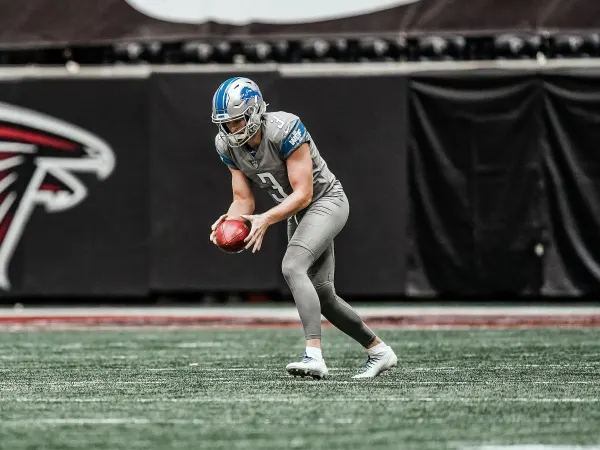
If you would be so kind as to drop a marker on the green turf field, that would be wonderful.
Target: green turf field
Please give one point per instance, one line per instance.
(135, 389)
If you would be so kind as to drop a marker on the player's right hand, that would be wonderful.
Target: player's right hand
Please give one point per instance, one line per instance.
(214, 226)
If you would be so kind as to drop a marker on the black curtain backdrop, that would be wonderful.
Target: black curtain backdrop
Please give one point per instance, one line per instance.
(475, 184)
(467, 183)
(572, 120)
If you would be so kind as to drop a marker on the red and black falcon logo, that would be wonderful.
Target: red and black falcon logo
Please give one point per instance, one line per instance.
(39, 156)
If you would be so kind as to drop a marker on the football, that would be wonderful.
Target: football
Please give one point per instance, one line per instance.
(230, 235)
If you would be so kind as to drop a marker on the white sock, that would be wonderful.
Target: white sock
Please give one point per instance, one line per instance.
(377, 349)
(314, 353)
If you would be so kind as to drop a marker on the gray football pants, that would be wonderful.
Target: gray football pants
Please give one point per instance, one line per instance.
(308, 268)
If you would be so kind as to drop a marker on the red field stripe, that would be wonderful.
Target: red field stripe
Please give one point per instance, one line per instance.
(417, 320)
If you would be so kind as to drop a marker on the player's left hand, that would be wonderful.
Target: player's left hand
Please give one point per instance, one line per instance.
(260, 223)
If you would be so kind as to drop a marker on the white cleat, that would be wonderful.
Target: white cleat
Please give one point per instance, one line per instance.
(308, 367)
(377, 364)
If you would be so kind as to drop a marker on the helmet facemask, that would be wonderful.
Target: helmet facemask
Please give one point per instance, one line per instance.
(252, 115)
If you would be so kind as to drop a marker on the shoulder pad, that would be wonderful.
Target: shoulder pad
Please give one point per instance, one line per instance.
(287, 131)
(224, 151)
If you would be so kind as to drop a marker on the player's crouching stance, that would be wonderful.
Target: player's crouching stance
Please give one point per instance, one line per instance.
(275, 151)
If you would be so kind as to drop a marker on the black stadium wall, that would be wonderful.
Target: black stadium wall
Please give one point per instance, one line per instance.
(478, 182)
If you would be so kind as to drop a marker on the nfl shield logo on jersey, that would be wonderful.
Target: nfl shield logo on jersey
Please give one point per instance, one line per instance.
(255, 164)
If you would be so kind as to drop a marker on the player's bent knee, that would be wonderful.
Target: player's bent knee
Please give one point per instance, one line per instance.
(288, 269)
(296, 262)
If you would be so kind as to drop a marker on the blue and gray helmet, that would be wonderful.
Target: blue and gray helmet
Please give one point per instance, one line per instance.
(235, 99)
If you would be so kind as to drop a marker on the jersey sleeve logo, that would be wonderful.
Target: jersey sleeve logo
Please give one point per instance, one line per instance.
(295, 137)
(293, 140)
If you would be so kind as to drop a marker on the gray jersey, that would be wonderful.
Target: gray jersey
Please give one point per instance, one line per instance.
(282, 134)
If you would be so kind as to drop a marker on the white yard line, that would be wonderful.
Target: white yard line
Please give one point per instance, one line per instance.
(14, 386)
(340, 420)
(102, 421)
(288, 399)
(286, 312)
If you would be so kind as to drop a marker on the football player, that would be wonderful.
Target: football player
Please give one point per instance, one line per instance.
(275, 151)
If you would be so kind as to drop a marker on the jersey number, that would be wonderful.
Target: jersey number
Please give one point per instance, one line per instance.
(267, 177)
(280, 124)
